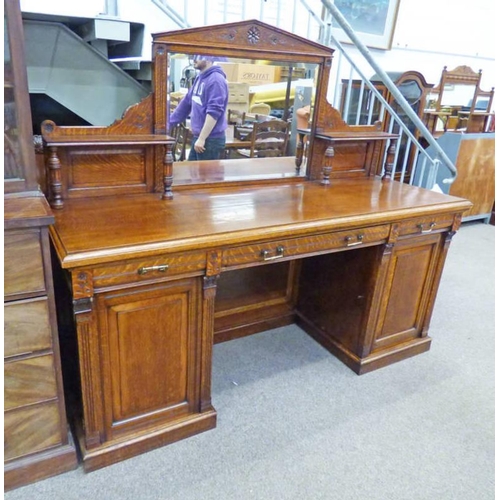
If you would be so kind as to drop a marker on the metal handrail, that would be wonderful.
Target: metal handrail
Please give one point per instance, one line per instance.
(172, 13)
(376, 94)
(337, 15)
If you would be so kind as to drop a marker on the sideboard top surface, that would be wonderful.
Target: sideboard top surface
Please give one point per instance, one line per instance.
(89, 231)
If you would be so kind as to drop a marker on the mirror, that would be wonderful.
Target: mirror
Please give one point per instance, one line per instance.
(259, 91)
(271, 75)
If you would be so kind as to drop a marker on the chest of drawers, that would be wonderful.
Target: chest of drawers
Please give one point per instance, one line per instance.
(37, 443)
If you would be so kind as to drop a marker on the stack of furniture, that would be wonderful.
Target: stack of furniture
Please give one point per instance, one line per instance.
(37, 442)
(153, 272)
(462, 130)
(458, 103)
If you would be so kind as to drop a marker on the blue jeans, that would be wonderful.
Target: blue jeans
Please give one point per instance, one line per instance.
(213, 149)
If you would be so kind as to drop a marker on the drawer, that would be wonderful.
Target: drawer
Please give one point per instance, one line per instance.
(28, 381)
(425, 225)
(23, 263)
(151, 268)
(26, 327)
(32, 429)
(303, 246)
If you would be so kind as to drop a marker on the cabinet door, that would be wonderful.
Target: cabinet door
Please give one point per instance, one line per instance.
(412, 274)
(150, 346)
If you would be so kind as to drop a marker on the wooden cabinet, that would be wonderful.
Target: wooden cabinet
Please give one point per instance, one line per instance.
(362, 282)
(412, 270)
(37, 443)
(368, 331)
(144, 368)
(147, 280)
(359, 106)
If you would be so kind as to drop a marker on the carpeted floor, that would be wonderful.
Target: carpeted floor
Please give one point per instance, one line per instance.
(294, 423)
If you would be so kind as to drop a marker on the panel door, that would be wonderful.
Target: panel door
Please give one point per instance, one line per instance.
(150, 350)
(409, 288)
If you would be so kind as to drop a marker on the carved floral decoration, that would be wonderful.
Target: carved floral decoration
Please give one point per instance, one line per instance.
(253, 35)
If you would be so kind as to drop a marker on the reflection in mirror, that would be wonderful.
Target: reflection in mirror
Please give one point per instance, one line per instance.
(259, 91)
(457, 95)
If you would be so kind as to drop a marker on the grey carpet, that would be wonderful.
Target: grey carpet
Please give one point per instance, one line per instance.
(295, 423)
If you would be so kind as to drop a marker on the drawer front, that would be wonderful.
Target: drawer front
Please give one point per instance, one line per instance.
(32, 429)
(28, 381)
(26, 327)
(308, 245)
(23, 263)
(152, 268)
(426, 225)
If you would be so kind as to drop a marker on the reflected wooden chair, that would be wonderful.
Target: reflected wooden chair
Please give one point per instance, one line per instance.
(237, 119)
(182, 136)
(268, 139)
(453, 85)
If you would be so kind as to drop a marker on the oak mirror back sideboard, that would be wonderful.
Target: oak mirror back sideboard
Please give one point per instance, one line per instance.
(150, 273)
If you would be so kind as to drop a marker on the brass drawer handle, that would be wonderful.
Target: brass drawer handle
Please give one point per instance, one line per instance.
(162, 268)
(359, 240)
(431, 227)
(280, 252)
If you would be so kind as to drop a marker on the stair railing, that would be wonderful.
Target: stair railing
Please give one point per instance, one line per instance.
(442, 158)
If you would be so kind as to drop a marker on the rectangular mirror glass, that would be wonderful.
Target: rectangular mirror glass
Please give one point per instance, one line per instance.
(260, 90)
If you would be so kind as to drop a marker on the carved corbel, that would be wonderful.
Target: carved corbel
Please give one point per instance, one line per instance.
(214, 266)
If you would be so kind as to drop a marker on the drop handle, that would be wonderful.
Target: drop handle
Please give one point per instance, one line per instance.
(280, 253)
(161, 268)
(351, 242)
(431, 227)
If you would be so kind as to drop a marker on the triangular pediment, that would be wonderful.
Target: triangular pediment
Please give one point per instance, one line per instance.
(244, 36)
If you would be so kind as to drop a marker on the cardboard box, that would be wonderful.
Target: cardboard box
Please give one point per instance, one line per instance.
(253, 74)
(238, 93)
(239, 96)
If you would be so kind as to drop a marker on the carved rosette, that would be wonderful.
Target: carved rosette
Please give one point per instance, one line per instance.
(253, 35)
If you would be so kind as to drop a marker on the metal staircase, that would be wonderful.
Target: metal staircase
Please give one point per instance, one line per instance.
(72, 73)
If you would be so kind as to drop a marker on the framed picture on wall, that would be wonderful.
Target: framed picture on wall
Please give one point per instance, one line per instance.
(372, 20)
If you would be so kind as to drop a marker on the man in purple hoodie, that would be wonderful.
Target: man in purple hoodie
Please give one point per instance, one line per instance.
(206, 101)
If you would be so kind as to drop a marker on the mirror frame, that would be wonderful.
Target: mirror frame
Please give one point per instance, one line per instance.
(249, 39)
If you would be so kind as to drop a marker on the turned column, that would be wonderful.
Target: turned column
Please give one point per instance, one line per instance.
(299, 153)
(328, 165)
(389, 161)
(55, 184)
(168, 173)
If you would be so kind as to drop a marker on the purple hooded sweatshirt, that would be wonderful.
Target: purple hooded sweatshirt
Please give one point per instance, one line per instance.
(209, 94)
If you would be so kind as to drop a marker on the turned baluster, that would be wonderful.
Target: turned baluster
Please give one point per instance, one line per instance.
(168, 175)
(389, 161)
(328, 165)
(299, 153)
(54, 167)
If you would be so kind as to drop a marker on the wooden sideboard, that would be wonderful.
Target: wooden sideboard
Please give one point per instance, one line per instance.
(149, 274)
(153, 283)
